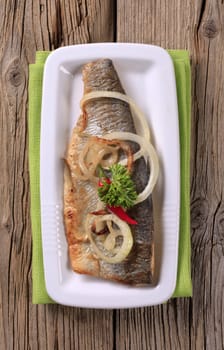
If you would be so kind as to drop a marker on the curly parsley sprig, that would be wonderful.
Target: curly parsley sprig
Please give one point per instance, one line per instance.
(120, 191)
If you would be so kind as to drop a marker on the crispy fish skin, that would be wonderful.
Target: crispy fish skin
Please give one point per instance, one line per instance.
(101, 116)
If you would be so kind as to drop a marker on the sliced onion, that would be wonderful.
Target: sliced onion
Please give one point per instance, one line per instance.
(111, 255)
(128, 136)
(110, 241)
(140, 122)
(154, 172)
(147, 150)
(76, 171)
(110, 160)
(105, 147)
(122, 145)
(89, 170)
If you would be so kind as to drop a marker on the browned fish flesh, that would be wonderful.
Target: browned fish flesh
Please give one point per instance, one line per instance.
(101, 116)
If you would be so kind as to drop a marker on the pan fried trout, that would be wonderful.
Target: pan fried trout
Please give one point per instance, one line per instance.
(99, 117)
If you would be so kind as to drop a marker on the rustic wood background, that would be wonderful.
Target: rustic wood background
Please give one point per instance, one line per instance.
(30, 25)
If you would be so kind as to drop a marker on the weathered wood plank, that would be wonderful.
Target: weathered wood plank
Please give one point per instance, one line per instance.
(199, 27)
(28, 26)
(166, 24)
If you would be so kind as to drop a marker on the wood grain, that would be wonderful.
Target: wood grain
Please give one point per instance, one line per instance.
(199, 27)
(28, 26)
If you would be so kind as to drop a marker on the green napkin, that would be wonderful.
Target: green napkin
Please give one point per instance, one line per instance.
(183, 81)
(182, 71)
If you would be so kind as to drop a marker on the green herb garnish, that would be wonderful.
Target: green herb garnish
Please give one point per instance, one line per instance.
(120, 192)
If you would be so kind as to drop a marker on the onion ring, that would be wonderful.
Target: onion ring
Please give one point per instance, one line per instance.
(88, 171)
(111, 255)
(149, 152)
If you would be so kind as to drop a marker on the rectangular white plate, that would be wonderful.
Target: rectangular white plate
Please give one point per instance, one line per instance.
(147, 75)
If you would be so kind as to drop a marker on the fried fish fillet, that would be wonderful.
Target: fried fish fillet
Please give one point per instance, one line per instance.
(101, 116)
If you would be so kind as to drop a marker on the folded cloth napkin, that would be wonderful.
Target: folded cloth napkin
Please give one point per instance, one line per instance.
(183, 82)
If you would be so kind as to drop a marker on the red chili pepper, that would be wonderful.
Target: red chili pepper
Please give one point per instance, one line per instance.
(100, 182)
(119, 211)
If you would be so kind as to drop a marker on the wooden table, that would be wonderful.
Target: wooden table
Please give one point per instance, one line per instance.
(27, 26)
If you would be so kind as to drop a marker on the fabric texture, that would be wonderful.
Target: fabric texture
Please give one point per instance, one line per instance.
(183, 82)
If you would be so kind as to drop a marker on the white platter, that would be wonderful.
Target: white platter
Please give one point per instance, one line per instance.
(147, 75)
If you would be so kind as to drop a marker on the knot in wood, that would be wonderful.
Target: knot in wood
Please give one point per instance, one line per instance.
(7, 225)
(219, 222)
(15, 74)
(210, 29)
(199, 213)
